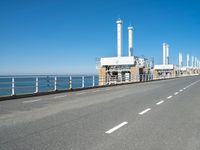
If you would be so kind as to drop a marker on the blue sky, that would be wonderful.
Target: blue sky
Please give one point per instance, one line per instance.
(67, 36)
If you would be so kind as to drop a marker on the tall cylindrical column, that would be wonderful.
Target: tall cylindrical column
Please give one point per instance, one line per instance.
(130, 41)
(167, 54)
(164, 54)
(180, 60)
(192, 61)
(188, 60)
(119, 37)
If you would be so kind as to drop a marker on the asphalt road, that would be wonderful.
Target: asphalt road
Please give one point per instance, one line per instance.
(161, 115)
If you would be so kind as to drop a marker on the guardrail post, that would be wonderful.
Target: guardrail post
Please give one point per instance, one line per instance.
(70, 82)
(93, 81)
(83, 81)
(36, 85)
(13, 86)
(55, 83)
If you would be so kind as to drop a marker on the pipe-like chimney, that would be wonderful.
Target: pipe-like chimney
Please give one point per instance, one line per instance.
(192, 61)
(119, 37)
(167, 54)
(180, 62)
(164, 54)
(130, 41)
(188, 60)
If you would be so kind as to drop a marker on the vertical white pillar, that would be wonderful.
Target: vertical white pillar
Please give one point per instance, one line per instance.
(119, 37)
(36, 85)
(167, 54)
(70, 82)
(93, 81)
(55, 83)
(83, 81)
(188, 60)
(130, 41)
(195, 62)
(180, 60)
(164, 54)
(192, 61)
(13, 86)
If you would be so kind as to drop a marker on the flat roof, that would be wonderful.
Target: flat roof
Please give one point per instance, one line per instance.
(164, 67)
(114, 61)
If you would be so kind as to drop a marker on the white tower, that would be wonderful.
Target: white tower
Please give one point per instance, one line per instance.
(164, 54)
(195, 62)
(192, 61)
(180, 58)
(167, 54)
(119, 37)
(130, 41)
(188, 60)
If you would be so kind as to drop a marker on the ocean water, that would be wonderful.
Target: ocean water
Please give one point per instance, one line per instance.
(27, 84)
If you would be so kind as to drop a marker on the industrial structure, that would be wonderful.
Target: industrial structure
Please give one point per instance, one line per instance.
(170, 70)
(133, 69)
(189, 68)
(123, 68)
(166, 69)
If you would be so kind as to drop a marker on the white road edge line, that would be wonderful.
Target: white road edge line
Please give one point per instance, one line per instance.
(144, 111)
(81, 93)
(61, 96)
(169, 97)
(158, 103)
(116, 127)
(31, 101)
(176, 93)
(95, 91)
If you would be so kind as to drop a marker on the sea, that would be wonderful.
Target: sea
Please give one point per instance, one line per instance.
(27, 84)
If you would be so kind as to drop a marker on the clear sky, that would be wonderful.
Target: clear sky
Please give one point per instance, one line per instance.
(67, 36)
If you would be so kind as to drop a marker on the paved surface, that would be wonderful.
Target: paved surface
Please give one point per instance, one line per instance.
(161, 115)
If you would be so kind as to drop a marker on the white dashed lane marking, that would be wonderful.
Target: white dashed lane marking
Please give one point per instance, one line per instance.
(144, 111)
(116, 127)
(176, 93)
(169, 97)
(158, 103)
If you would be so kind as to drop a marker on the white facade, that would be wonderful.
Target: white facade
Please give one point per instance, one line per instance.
(164, 67)
(114, 61)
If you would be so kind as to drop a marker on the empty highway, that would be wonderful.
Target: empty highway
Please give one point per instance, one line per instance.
(160, 115)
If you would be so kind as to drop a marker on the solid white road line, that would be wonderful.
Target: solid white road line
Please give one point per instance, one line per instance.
(116, 128)
(158, 103)
(144, 111)
(176, 93)
(95, 91)
(31, 101)
(80, 93)
(60, 96)
(169, 97)
(108, 89)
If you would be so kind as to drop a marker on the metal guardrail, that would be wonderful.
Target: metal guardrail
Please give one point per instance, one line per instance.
(10, 86)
